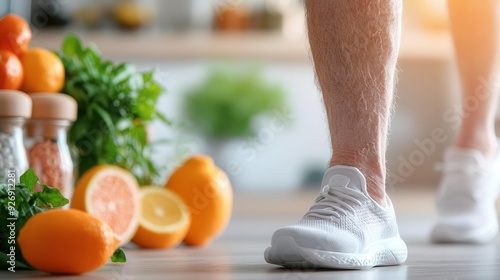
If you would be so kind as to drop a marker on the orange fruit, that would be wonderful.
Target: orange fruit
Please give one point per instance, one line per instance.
(164, 219)
(11, 70)
(111, 194)
(67, 241)
(43, 71)
(15, 34)
(207, 192)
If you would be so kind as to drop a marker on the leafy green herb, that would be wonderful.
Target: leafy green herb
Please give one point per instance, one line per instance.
(115, 104)
(29, 179)
(50, 197)
(119, 256)
(18, 203)
(227, 104)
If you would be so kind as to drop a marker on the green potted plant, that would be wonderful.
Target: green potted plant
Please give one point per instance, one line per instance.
(227, 104)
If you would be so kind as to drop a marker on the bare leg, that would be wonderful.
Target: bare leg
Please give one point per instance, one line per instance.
(354, 44)
(351, 224)
(475, 28)
(466, 200)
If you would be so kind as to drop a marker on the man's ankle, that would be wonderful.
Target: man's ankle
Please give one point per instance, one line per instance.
(374, 175)
(486, 145)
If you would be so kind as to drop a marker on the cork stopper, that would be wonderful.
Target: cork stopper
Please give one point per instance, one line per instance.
(53, 106)
(14, 104)
(51, 112)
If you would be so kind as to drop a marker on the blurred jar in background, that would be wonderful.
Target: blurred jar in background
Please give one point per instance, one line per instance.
(48, 151)
(132, 14)
(49, 13)
(232, 17)
(269, 17)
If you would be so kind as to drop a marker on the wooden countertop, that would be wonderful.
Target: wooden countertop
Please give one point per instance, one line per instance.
(153, 45)
(239, 253)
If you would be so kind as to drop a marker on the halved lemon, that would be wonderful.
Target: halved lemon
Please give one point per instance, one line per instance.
(164, 219)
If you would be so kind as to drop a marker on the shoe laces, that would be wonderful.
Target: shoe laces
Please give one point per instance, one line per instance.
(334, 201)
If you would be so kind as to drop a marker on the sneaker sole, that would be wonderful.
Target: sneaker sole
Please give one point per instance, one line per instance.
(480, 236)
(386, 252)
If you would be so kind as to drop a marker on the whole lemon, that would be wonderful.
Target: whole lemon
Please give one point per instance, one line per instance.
(207, 192)
(67, 241)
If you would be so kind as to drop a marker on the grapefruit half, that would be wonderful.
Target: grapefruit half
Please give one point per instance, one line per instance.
(111, 194)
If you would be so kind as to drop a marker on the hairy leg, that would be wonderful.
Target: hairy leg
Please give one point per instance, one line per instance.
(475, 27)
(354, 45)
(466, 200)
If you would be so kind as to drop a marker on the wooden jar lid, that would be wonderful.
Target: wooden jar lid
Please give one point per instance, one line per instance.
(50, 107)
(14, 103)
(53, 106)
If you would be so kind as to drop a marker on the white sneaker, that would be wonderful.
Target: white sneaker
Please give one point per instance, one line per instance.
(466, 198)
(344, 229)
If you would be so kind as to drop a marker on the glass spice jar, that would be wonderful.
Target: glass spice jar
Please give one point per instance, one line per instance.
(15, 108)
(48, 150)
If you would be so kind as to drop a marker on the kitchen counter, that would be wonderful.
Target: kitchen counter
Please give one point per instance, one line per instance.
(238, 254)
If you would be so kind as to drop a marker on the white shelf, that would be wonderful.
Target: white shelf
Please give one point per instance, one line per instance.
(258, 46)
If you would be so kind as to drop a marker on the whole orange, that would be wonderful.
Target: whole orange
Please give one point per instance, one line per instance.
(11, 70)
(207, 192)
(15, 34)
(43, 71)
(66, 241)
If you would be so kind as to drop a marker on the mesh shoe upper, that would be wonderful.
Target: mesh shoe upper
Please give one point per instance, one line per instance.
(467, 192)
(343, 218)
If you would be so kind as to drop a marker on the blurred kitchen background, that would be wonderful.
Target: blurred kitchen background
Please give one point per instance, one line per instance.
(241, 86)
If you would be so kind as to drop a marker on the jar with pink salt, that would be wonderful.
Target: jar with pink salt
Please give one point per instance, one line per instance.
(48, 150)
(15, 108)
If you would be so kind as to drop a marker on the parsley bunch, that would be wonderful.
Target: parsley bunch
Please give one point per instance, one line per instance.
(115, 104)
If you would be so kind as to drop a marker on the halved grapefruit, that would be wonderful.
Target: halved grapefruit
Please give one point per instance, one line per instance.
(111, 194)
(164, 219)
